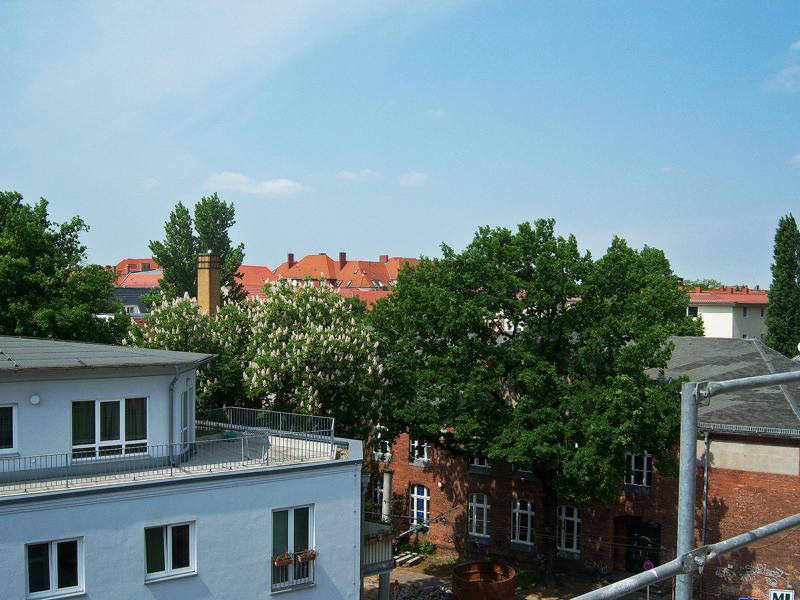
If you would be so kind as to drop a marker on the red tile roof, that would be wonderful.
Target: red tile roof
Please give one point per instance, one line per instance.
(728, 295)
(368, 296)
(140, 279)
(254, 277)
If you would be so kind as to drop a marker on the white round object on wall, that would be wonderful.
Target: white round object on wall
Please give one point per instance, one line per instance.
(35, 399)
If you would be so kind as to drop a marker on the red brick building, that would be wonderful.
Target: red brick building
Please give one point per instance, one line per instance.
(753, 478)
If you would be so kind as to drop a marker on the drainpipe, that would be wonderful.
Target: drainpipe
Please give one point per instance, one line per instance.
(705, 487)
(172, 414)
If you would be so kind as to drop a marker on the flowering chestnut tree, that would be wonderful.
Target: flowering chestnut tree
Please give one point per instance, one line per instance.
(311, 351)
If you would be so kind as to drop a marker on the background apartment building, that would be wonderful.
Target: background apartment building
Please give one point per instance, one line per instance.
(730, 312)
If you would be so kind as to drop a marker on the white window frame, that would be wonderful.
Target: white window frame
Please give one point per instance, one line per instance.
(745, 312)
(479, 528)
(169, 572)
(121, 441)
(14, 430)
(186, 407)
(383, 451)
(54, 591)
(414, 447)
(518, 511)
(574, 523)
(643, 475)
(415, 495)
(291, 581)
(480, 462)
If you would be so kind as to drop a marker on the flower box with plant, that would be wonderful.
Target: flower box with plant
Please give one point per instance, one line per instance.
(306, 556)
(282, 560)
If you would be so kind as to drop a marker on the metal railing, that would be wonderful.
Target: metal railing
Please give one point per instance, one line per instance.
(295, 574)
(377, 548)
(243, 439)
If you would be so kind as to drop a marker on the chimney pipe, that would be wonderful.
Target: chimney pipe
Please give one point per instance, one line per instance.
(290, 260)
(384, 258)
(342, 259)
(208, 282)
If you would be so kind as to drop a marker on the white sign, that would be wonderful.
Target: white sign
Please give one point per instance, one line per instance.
(781, 595)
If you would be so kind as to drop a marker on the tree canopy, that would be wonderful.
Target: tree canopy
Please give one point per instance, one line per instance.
(706, 284)
(524, 350)
(783, 311)
(46, 290)
(185, 238)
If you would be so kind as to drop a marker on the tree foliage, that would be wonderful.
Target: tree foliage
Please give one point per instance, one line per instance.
(705, 284)
(300, 349)
(185, 238)
(46, 290)
(783, 311)
(524, 350)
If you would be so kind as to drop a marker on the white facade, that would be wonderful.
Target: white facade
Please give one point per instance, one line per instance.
(732, 320)
(219, 505)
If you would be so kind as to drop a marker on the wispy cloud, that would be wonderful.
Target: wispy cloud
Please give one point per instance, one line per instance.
(362, 175)
(786, 80)
(795, 46)
(667, 169)
(412, 179)
(242, 184)
(437, 113)
(795, 161)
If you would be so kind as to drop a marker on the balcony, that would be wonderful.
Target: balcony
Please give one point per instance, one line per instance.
(231, 439)
(377, 554)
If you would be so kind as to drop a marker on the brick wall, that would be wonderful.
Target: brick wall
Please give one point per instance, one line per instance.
(738, 501)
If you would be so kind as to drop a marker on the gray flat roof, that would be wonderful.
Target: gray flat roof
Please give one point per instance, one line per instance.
(771, 410)
(21, 354)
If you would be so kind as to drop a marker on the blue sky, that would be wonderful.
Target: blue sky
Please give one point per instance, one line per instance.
(388, 127)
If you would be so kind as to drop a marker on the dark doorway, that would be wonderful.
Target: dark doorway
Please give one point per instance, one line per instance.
(643, 542)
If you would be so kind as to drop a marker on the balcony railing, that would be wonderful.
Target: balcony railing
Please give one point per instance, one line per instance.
(377, 548)
(294, 574)
(237, 439)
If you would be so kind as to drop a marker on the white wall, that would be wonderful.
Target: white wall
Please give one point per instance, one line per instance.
(233, 533)
(46, 428)
(717, 319)
(753, 326)
(749, 456)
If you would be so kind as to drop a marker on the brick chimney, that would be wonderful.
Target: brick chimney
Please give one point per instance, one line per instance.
(290, 260)
(208, 283)
(384, 258)
(342, 259)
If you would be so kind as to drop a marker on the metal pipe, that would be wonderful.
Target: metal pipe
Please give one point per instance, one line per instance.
(637, 582)
(713, 388)
(687, 489)
(705, 487)
(172, 411)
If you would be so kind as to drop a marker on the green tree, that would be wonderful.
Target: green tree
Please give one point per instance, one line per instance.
(46, 290)
(524, 350)
(185, 238)
(706, 284)
(783, 312)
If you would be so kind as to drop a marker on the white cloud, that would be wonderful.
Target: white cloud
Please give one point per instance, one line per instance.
(795, 161)
(237, 182)
(795, 46)
(363, 175)
(437, 113)
(412, 179)
(786, 80)
(667, 169)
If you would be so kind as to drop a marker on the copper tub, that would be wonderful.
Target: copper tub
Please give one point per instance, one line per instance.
(484, 581)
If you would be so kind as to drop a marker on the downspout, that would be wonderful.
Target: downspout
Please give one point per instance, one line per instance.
(172, 414)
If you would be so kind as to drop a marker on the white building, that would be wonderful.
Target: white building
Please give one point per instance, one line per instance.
(109, 489)
(730, 312)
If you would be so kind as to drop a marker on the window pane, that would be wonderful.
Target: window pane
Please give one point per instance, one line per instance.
(67, 564)
(82, 423)
(109, 421)
(301, 529)
(154, 549)
(38, 568)
(6, 427)
(180, 547)
(280, 532)
(136, 419)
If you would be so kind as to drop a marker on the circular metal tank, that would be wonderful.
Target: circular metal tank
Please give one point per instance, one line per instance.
(484, 581)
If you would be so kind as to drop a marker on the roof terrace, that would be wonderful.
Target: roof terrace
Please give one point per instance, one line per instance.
(229, 439)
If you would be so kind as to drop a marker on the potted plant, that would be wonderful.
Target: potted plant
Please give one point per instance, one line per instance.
(282, 560)
(307, 556)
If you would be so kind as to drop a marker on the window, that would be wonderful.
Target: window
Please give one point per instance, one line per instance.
(377, 490)
(383, 451)
(98, 427)
(522, 521)
(8, 428)
(480, 462)
(522, 467)
(569, 529)
(691, 311)
(420, 505)
(55, 568)
(145, 266)
(187, 399)
(639, 469)
(762, 312)
(479, 515)
(169, 551)
(292, 535)
(417, 451)
(744, 312)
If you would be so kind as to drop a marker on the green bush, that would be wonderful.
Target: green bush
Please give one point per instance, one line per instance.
(426, 547)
